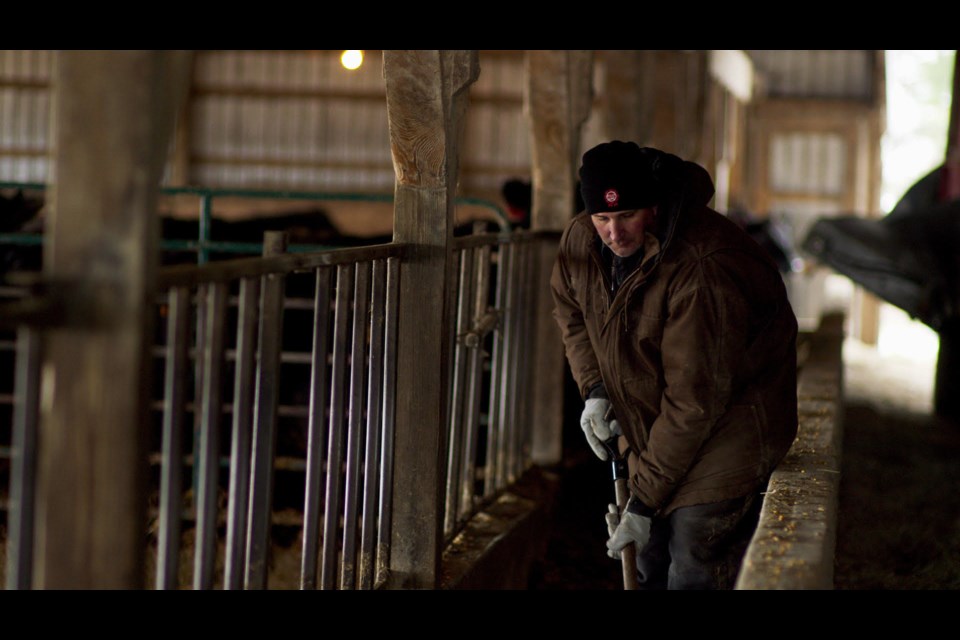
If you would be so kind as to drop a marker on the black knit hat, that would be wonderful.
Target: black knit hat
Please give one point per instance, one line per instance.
(619, 176)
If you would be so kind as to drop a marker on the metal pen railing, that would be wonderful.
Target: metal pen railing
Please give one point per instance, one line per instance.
(488, 438)
(234, 339)
(204, 245)
(346, 465)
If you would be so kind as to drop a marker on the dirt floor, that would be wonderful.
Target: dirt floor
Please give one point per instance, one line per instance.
(899, 523)
(576, 554)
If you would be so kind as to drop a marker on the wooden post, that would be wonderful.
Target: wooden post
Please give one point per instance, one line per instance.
(426, 103)
(865, 306)
(945, 402)
(560, 98)
(180, 154)
(114, 114)
(629, 95)
(949, 188)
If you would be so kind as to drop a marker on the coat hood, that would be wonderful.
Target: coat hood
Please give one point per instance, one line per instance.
(688, 186)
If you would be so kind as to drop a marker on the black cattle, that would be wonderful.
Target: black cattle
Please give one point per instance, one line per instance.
(772, 237)
(302, 228)
(908, 258)
(18, 211)
(19, 214)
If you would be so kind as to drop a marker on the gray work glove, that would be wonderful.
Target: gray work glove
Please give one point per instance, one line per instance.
(631, 528)
(596, 427)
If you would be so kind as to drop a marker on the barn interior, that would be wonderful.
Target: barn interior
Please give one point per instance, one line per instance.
(278, 319)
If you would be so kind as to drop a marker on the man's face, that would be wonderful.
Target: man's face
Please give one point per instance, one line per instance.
(623, 231)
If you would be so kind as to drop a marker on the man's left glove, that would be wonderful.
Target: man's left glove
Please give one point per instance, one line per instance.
(631, 527)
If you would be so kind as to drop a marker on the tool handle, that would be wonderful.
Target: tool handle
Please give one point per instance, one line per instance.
(628, 555)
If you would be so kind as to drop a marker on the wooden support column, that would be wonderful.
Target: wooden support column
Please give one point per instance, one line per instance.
(426, 103)
(945, 401)
(113, 116)
(865, 318)
(560, 98)
(180, 154)
(630, 91)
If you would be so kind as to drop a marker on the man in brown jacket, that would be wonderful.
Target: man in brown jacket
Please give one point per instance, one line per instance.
(679, 334)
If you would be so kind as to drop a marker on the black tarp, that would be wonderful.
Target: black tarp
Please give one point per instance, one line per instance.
(908, 258)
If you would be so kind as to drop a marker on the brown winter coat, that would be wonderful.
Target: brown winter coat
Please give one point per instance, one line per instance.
(697, 350)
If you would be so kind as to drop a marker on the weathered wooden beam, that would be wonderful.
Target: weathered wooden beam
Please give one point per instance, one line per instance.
(560, 98)
(629, 95)
(811, 113)
(733, 69)
(426, 103)
(870, 310)
(950, 180)
(114, 114)
(180, 154)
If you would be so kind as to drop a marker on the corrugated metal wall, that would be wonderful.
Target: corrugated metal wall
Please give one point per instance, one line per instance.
(816, 73)
(287, 120)
(298, 119)
(24, 114)
(497, 136)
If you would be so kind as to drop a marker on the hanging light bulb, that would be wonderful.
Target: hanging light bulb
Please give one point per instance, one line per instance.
(351, 59)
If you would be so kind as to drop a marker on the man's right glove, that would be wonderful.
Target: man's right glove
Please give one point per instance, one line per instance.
(597, 427)
(622, 531)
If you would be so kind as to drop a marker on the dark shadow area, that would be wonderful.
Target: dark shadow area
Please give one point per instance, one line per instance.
(576, 555)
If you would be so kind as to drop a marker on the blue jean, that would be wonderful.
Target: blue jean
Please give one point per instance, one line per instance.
(699, 547)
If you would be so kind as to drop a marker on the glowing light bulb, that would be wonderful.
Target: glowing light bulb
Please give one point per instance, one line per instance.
(351, 59)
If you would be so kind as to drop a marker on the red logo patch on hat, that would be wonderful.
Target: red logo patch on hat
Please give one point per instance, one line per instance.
(612, 197)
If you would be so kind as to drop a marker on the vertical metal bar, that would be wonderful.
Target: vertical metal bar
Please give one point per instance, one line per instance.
(23, 461)
(521, 384)
(520, 423)
(510, 424)
(371, 458)
(198, 377)
(171, 466)
(361, 299)
(506, 376)
(260, 516)
(385, 520)
(533, 280)
(203, 230)
(242, 433)
(209, 461)
(454, 441)
(510, 343)
(497, 373)
(316, 428)
(532, 277)
(331, 512)
(474, 388)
